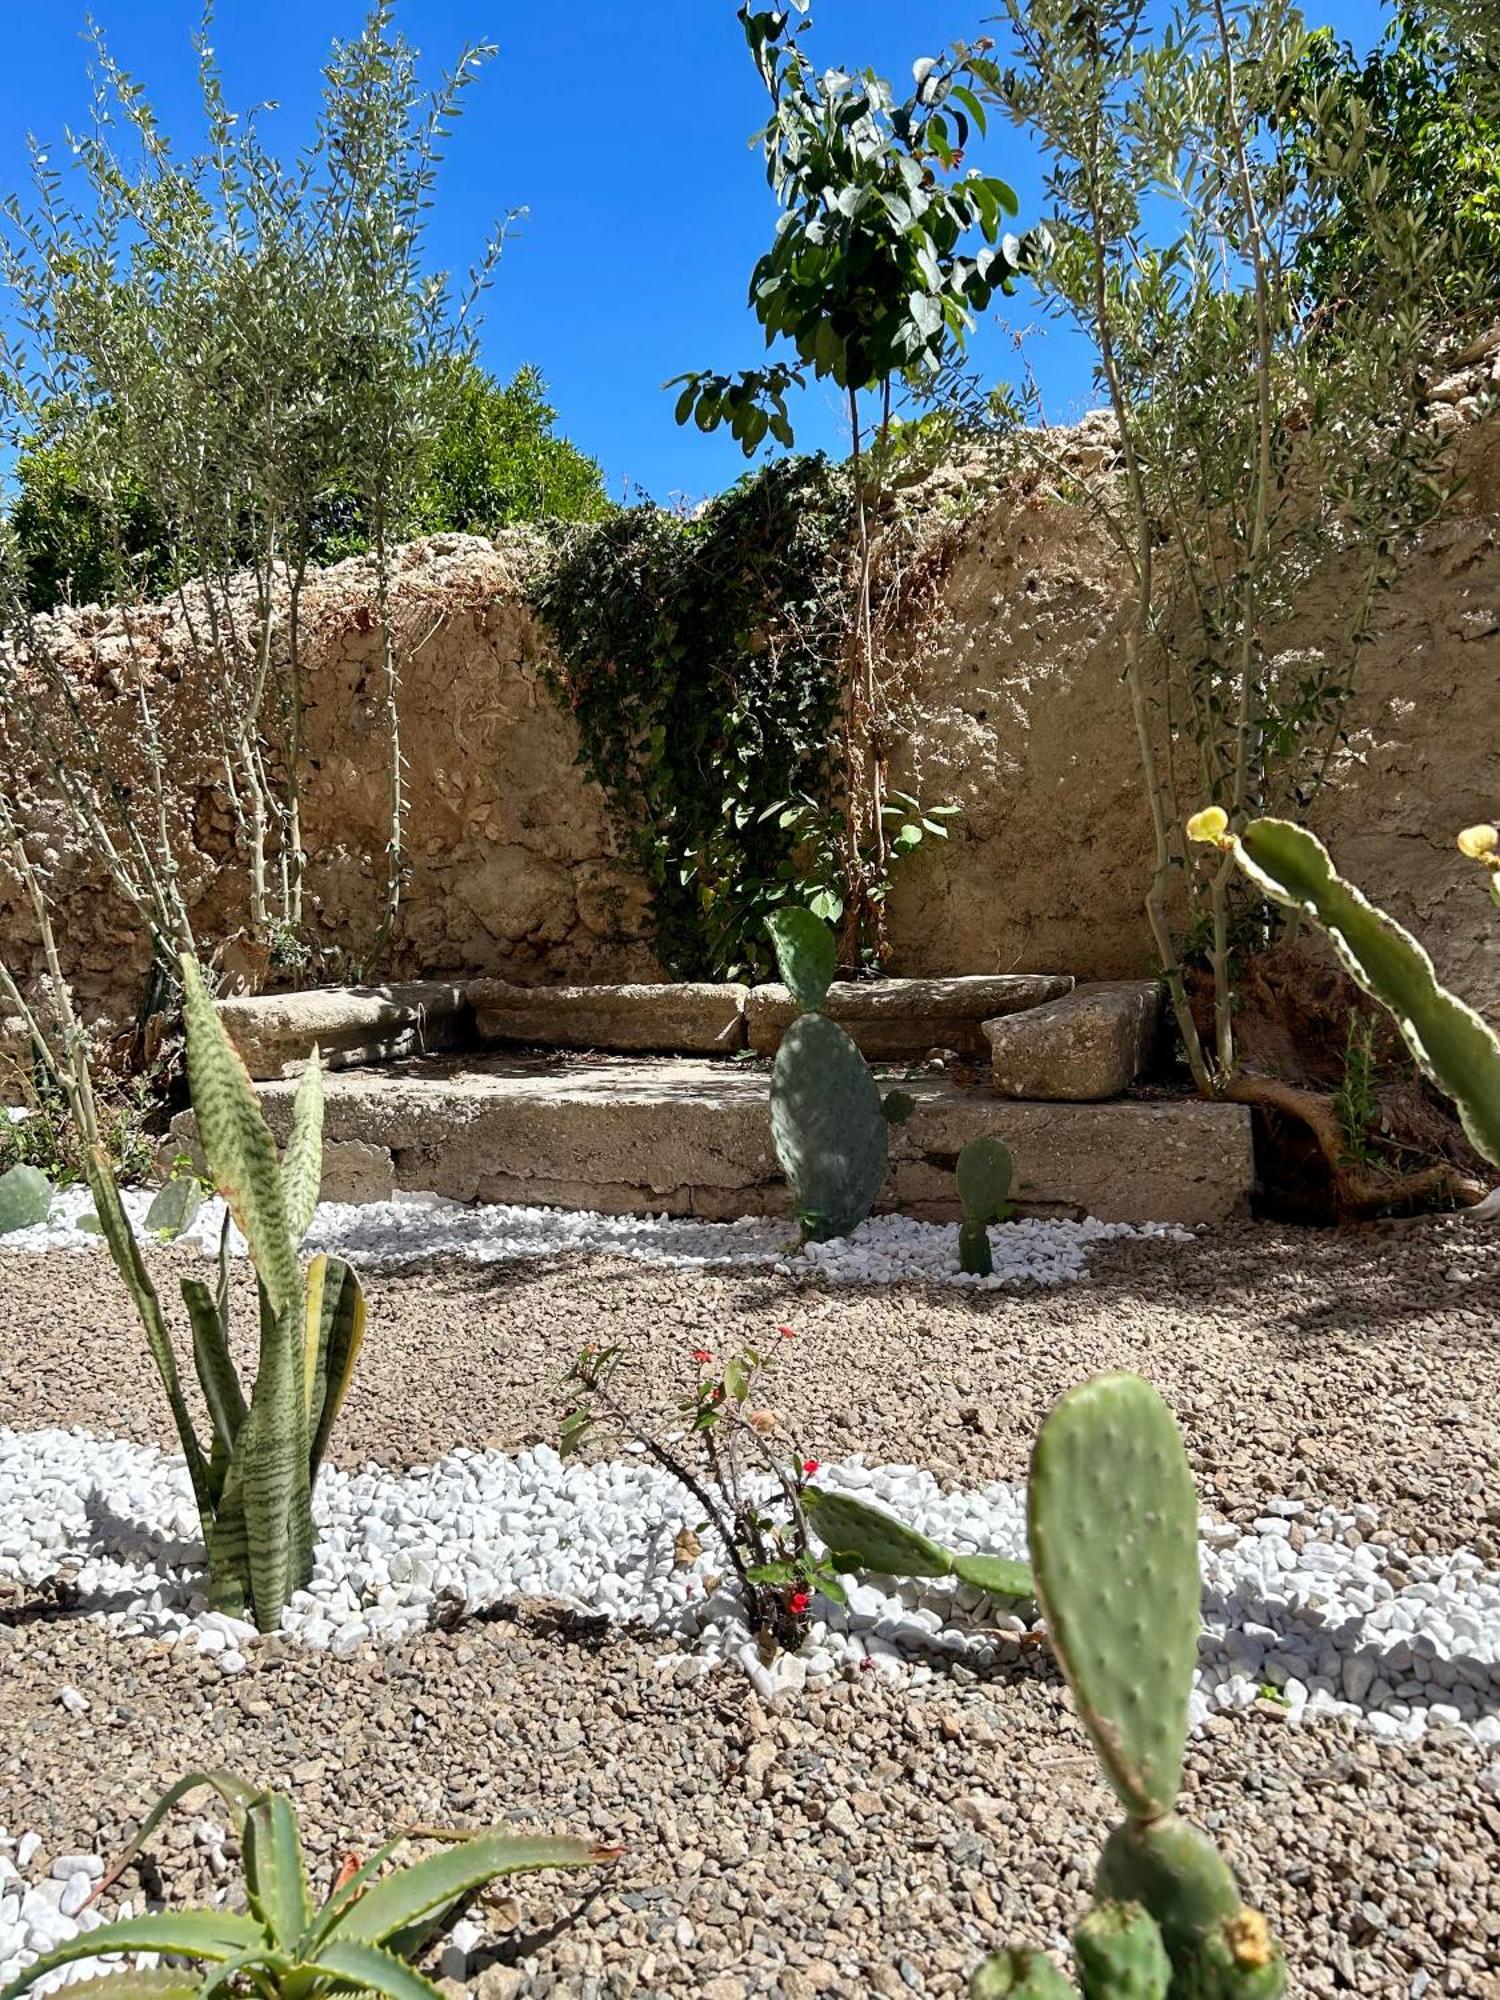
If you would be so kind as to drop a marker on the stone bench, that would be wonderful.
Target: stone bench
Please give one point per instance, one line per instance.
(352, 1025)
(892, 1020)
(670, 1019)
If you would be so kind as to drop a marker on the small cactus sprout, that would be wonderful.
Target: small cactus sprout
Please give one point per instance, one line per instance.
(1453, 1044)
(25, 1198)
(1120, 1954)
(1020, 1975)
(983, 1173)
(898, 1105)
(806, 954)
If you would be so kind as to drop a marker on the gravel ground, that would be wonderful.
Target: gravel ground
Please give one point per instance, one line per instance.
(872, 1836)
(871, 1833)
(1361, 1367)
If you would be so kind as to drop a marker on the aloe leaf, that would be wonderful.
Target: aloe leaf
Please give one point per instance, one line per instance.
(212, 1934)
(275, 1874)
(136, 1985)
(237, 1142)
(302, 1162)
(357, 1963)
(126, 1254)
(406, 1896)
(25, 1198)
(237, 1794)
(349, 1892)
(335, 1334)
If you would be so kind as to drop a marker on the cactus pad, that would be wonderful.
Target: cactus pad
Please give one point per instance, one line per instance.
(869, 1538)
(998, 1575)
(827, 1126)
(1113, 1520)
(806, 954)
(1238, 1961)
(984, 1172)
(1020, 1975)
(1177, 1874)
(1120, 1954)
(974, 1254)
(25, 1197)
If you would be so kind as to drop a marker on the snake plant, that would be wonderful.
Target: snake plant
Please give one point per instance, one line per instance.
(362, 1938)
(253, 1483)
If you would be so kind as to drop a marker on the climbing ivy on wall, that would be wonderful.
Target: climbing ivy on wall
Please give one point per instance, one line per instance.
(700, 658)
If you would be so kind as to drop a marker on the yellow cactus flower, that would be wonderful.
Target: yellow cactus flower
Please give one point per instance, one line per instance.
(1479, 843)
(1210, 826)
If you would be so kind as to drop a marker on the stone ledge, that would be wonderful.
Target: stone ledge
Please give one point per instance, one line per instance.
(1092, 1044)
(896, 1019)
(275, 1032)
(693, 1138)
(682, 1018)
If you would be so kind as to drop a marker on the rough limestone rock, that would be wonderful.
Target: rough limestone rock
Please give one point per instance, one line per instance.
(681, 1019)
(891, 1019)
(693, 1137)
(1091, 1044)
(354, 1170)
(275, 1032)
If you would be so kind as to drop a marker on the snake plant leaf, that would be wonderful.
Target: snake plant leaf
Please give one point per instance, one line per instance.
(215, 1935)
(173, 1209)
(408, 1895)
(25, 1197)
(237, 1142)
(217, 1375)
(271, 1471)
(125, 1252)
(806, 954)
(368, 1968)
(334, 1335)
(302, 1162)
(237, 1795)
(276, 1884)
(1453, 1044)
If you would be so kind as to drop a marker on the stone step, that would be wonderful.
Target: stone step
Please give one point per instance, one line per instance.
(676, 1018)
(352, 1025)
(1093, 1043)
(893, 1020)
(692, 1137)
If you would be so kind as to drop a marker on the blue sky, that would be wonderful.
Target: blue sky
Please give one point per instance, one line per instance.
(624, 129)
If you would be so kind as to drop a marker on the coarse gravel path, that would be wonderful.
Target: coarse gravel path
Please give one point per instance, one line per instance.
(871, 1833)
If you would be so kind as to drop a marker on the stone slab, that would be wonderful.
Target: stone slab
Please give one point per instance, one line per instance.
(693, 1138)
(352, 1025)
(896, 1019)
(683, 1018)
(1092, 1044)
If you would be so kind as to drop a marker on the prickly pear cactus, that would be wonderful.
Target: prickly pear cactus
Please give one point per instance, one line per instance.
(1113, 1520)
(999, 1575)
(827, 1126)
(1240, 1960)
(872, 1539)
(1020, 1975)
(1453, 1044)
(1120, 1954)
(25, 1197)
(983, 1174)
(1176, 1873)
(806, 953)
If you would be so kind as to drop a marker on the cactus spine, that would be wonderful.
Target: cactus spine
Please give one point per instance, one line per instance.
(983, 1174)
(828, 1124)
(1113, 1525)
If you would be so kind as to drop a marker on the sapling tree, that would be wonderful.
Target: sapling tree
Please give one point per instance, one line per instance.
(1264, 447)
(886, 250)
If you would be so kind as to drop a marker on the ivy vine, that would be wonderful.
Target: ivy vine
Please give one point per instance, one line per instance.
(701, 659)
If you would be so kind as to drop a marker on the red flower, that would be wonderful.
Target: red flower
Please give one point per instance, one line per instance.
(798, 1602)
(702, 1356)
(810, 1466)
(786, 1333)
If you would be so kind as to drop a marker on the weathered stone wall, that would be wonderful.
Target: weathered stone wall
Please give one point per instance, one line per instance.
(514, 870)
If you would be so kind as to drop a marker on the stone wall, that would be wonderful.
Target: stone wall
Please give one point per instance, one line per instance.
(515, 871)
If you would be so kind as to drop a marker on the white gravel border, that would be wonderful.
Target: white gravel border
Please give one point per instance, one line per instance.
(1299, 1605)
(888, 1249)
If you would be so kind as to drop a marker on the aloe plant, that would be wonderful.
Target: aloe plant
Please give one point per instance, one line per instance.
(253, 1484)
(1452, 1043)
(362, 1938)
(1112, 1518)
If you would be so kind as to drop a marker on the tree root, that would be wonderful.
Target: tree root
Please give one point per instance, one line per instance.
(1359, 1191)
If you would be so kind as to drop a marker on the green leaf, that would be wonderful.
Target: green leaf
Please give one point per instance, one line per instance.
(302, 1163)
(334, 1335)
(214, 1935)
(369, 1969)
(238, 1795)
(217, 1376)
(276, 1882)
(407, 1895)
(136, 1985)
(737, 1378)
